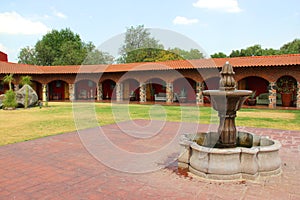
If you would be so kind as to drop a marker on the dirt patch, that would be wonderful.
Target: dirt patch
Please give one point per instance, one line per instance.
(271, 115)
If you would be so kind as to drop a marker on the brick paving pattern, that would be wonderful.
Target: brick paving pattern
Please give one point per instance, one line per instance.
(59, 167)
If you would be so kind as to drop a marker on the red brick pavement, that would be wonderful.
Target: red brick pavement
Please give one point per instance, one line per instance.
(60, 167)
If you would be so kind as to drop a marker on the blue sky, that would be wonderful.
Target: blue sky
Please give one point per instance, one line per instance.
(215, 25)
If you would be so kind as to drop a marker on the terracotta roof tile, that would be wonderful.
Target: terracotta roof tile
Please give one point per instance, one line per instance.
(15, 68)
(254, 61)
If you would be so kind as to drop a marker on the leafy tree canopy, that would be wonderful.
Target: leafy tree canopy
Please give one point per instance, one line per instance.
(188, 55)
(139, 46)
(291, 47)
(62, 48)
(256, 50)
(219, 55)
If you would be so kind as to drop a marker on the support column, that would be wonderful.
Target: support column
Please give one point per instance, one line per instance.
(99, 92)
(72, 92)
(45, 92)
(199, 95)
(169, 92)
(298, 95)
(16, 87)
(142, 92)
(272, 95)
(119, 91)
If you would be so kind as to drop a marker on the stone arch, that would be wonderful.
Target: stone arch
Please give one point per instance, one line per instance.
(55, 78)
(58, 90)
(211, 83)
(38, 88)
(185, 87)
(154, 86)
(108, 89)
(85, 89)
(254, 83)
(131, 89)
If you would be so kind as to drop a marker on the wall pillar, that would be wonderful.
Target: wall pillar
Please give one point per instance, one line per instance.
(72, 92)
(99, 92)
(143, 92)
(199, 94)
(298, 95)
(45, 92)
(272, 95)
(119, 91)
(169, 93)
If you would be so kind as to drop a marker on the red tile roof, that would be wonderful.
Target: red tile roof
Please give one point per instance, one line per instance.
(254, 61)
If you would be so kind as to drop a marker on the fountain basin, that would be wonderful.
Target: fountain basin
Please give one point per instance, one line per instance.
(254, 156)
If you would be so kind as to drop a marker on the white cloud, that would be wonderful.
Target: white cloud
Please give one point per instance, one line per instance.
(14, 23)
(59, 14)
(184, 21)
(230, 6)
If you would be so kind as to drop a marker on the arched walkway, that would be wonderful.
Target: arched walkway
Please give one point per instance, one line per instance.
(37, 86)
(212, 83)
(254, 83)
(108, 89)
(131, 90)
(85, 89)
(58, 90)
(155, 86)
(185, 87)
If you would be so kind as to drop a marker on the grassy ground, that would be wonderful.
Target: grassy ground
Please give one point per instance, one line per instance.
(21, 125)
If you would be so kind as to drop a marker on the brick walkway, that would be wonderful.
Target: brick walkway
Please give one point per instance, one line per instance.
(60, 167)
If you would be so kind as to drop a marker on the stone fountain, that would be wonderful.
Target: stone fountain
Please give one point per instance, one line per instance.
(229, 154)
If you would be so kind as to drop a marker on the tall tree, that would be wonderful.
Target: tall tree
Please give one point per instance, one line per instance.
(61, 48)
(95, 56)
(27, 55)
(291, 47)
(137, 38)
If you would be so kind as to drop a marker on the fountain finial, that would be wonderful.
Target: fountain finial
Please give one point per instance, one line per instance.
(227, 81)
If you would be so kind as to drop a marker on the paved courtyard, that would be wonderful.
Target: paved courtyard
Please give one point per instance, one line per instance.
(66, 167)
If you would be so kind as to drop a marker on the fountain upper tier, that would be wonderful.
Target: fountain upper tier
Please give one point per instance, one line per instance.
(227, 100)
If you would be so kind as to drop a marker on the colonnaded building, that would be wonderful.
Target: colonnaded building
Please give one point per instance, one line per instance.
(170, 81)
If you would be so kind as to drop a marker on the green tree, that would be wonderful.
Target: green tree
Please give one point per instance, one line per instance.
(26, 80)
(291, 47)
(10, 96)
(95, 56)
(219, 55)
(9, 100)
(270, 51)
(61, 48)
(9, 79)
(235, 53)
(151, 55)
(137, 38)
(187, 55)
(27, 55)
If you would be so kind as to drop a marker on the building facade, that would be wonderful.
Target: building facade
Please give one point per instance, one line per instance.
(168, 81)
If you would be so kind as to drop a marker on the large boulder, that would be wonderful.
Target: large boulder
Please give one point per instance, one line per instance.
(32, 96)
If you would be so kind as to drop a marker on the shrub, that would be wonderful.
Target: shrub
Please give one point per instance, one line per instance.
(10, 99)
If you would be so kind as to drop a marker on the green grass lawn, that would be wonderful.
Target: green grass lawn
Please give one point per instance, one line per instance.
(21, 125)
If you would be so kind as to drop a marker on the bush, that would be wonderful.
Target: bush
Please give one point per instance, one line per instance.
(10, 99)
